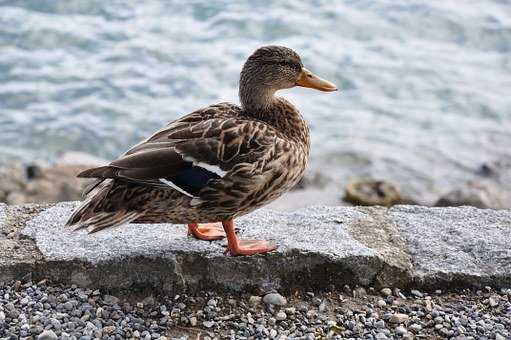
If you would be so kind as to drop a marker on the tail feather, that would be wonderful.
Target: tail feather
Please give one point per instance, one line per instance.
(106, 171)
(90, 215)
(105, 220)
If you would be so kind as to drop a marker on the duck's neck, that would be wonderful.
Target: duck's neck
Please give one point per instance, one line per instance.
(256, 100)
(262, 104)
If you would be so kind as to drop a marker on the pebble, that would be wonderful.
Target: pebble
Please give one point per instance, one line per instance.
(45, 309)
(290, 310)
(275, 299)
(359, 292)
(110, 299)
(254, 300)
(416, 293)
(280, 316)
(415, 327)
(398, 318)
(380, 324)
(400, 330)
(47, 335)
(386, 292)
(208, 324)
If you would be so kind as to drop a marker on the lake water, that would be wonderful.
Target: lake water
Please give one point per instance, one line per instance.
(425, 85)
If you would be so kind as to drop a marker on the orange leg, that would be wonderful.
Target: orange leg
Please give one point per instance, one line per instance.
(244, 247)
(206, 231)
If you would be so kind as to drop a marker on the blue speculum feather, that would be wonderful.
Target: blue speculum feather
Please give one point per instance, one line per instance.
(193, 179)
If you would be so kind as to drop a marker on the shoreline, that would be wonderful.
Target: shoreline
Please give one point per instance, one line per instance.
(45, 182)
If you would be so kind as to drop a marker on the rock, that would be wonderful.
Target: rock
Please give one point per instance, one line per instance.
(369, 192)
(280, 316)
(149, 302)
(254, 300)
(40, 184)
(386, 292)
(416, 293)
(193, 321)
(110, 299)
(47, 335)
(474, 193)
(381, 303)
(56, 324)
(415, 327)
(359, 292)
(274, 299)
(493, 301)
(208, 324)
(355, 245)
(290, 310)
(399, 318)
(400, 330)
(380, 324)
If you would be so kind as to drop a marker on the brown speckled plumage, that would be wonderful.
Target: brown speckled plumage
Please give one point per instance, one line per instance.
(253, 153)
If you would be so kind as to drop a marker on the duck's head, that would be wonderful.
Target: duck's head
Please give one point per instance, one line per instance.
(273, 68)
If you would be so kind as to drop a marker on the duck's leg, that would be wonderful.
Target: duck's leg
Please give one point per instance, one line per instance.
(206, 231)
(244, 247)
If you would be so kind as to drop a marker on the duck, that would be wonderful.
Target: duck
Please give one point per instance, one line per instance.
(213, 165)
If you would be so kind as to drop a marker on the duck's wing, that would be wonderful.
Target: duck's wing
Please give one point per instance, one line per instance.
(190, 152)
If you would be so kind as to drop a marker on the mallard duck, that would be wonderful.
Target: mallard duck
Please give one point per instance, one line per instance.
(212, 165)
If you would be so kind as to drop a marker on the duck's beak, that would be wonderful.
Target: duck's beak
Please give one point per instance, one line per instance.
(309, 79)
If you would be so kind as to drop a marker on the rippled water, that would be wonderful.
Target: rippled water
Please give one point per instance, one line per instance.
(426, 85)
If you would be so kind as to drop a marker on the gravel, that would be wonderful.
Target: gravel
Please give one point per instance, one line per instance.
(43, 311)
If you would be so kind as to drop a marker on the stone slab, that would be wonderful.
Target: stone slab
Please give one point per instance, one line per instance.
(315, 250)
(319, 247)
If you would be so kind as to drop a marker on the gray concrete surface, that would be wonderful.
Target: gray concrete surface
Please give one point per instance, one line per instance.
(319, 247)
(457, 246)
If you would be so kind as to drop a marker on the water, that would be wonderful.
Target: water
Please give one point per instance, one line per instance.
(425, 85)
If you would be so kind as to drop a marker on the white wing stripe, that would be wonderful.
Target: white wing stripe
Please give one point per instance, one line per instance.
(173, 186)
(211, 168)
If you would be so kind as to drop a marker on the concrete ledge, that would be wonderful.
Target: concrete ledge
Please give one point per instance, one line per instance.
(320, 247)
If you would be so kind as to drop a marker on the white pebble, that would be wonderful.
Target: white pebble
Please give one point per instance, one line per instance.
(386, 291)
(281, 316)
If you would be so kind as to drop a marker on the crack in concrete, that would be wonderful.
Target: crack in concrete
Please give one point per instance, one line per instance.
(379, 232)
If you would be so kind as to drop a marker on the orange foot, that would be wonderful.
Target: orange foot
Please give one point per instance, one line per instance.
(206, 231)
(244, 247)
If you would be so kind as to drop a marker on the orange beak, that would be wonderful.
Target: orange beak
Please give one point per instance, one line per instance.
(309, 79)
